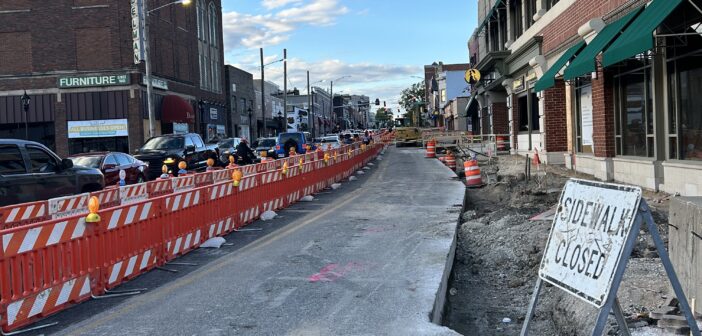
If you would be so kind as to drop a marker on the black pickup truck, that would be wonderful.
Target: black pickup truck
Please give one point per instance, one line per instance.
(176, 147)
(31, 172)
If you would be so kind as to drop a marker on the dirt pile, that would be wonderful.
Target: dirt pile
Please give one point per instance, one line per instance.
(499, 251)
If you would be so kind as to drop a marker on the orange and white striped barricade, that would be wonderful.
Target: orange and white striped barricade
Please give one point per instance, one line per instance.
(183, 216)
(291, 187)
(159, 188)
(68, 206)
(248, 169)
(272, 165)
(109, 197)
(203, 179)
(222, 175)
(249, 204)
(132, 194)
(132, 240)
(473, 175)
(24, 214)
(39, 277)
(183, 183)
(261, 167)
(226, 211)
(272, 198)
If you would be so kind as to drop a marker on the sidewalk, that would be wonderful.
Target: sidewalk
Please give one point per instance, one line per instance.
(369, 263)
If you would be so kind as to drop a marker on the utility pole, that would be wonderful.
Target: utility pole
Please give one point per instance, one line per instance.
(263, 94)
(309, 106)
(285, 82)
(331, 106)
(147, 63)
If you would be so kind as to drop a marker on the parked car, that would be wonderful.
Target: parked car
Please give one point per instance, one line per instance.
(173, 148)
(332, 140)
(31, 172)
(267, 145)
(110, 164)
(227, 147)
(285, 141)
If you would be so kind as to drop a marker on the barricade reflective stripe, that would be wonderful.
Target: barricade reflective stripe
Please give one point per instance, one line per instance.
(183, 183)
(109, 197)
(24, 214)
(132, 194)
(62, 207)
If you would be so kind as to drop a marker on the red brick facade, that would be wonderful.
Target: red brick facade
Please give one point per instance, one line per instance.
(500, 118)
(603, 114)
(515, 121)
(555, 122)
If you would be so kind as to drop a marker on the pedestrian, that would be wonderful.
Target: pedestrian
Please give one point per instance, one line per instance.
(244, 152)
(366, 138)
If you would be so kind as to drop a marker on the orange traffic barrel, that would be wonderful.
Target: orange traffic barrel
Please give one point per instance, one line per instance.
(473, 177)
(451, 161)
(431, 149)
(502, 142)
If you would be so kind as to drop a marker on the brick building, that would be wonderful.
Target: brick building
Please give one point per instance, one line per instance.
(613, 100)
(75, 59)
(240, 97)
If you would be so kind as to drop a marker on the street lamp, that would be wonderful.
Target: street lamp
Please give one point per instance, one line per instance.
(25, 104)
(147, 60)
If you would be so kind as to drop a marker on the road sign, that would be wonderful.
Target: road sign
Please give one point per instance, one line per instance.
(587, 238)
(593, 234)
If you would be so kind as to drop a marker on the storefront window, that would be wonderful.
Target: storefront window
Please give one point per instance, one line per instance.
(634, 111)
(583, 116)
(685, 120)
(87, 145)
(42, 133)
(524, 113)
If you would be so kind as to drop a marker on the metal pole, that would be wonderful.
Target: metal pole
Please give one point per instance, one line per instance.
(147, 63)
(309, 106)
(263, 94)
(331, 106)
(285, 81)
(26, 116)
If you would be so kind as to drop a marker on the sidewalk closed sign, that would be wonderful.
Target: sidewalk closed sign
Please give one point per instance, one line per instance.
(589, 232)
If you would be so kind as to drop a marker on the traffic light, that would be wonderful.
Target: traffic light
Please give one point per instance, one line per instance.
(377, 102)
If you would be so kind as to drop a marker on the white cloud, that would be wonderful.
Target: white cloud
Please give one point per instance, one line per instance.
(272, 4)
(276, 27)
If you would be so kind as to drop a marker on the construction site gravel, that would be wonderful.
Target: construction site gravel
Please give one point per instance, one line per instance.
(499, 251)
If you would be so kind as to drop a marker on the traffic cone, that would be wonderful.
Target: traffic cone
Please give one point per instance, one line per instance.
(451, 161)
(431, 149)
(535, 160)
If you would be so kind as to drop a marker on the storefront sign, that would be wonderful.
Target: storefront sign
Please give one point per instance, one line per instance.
(92, 81)
(531, 76)
(137, 25)
(518, 84)
(213, 113)
(157, 83)
(586, 245)
(472, 76)
(98, 128)
(180, 128)
(586, 115)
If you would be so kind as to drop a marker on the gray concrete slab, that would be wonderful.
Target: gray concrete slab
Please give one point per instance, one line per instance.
(370, 263)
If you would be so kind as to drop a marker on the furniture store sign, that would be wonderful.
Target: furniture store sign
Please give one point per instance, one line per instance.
(97, 128)
(92, 81)
(590, 229)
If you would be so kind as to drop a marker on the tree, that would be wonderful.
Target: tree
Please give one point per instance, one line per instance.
(411, 99)
(383, 116)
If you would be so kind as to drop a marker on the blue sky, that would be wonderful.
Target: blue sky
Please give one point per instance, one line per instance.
(379, 43)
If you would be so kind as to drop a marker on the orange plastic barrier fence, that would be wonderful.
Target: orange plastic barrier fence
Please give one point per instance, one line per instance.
(48, 265)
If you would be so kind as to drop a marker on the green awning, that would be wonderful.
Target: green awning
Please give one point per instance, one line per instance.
(639, 36)
(585, 62)
(489, 15)
(549, 78)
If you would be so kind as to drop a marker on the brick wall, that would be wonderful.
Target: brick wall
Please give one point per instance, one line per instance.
(566, 25)
(603, 114)
(500, 118)
(555, 118)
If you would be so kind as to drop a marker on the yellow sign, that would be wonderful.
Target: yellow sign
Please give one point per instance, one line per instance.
(518, 84)
(531, 76)
(472, 76)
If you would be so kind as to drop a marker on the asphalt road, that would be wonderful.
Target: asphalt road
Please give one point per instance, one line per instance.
(366, 259)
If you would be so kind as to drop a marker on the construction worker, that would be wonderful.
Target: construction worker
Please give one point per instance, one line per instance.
(244, 153)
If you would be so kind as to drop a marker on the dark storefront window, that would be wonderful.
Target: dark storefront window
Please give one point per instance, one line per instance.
(634, 110)
(42, 133)
(116, 144)
(685, 119)
(524, 113)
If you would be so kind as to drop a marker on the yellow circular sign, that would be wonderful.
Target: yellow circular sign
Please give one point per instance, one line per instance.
(472, 76)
